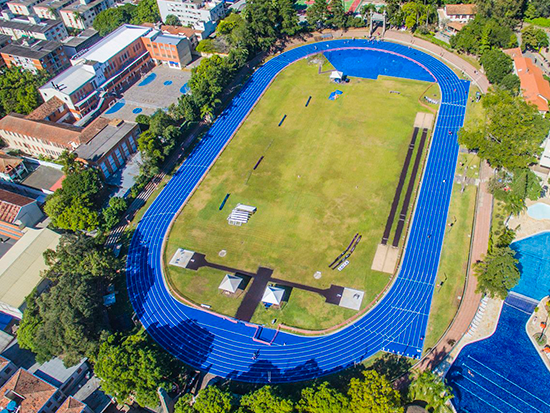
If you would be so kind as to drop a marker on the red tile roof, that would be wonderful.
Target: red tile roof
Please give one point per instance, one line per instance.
(9, 163)
(10, 205)
(3, 363)
(460, 9)
(71, 405)
(36, 392)
(46, 109)
(534, 87)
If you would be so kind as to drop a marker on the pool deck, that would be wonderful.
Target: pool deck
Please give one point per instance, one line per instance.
(526, 226)
(533, 327)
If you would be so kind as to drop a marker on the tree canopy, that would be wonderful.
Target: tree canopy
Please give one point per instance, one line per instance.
(515, 187)
(265, 399)
(373, 394)
(533, 38)
(483, 34)
(508, 12)
(68, 319)
(497, 273)
(172, 20)
(428, 387)
(135, 367)
(322, 399)
(511, 135)
(537, 8)
(19, 90)
(110, 19)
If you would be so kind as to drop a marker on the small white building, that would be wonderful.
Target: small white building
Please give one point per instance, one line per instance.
(81, 14)
(198, 14)
(273, 295)
(230, 283)
(336, 75)
(461, 13)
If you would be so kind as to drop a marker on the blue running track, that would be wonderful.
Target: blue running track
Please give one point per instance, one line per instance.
(224, 346)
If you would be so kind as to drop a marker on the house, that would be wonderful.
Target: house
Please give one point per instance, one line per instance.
(31, 26)
(461, 13)
(198, 14)
(29, 394)
(172, 51)
(7, 369)
(20, 268)
(109, 66)
(76, 44)
(110, 147)
(12, 168)
(71, 405)
(81, 14)
(18, 210)
(35, 55)
(535, 89)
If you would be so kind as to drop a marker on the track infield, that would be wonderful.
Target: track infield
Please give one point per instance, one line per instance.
(329, 171)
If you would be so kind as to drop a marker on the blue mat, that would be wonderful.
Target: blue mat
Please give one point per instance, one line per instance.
(150, 77)
(223, 346)
(116, 107)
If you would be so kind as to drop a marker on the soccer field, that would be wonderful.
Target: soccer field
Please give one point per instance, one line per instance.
(328, 172)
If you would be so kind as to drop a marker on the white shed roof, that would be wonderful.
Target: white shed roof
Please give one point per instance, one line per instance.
(336, 74)
(273, 295)
(230, 283)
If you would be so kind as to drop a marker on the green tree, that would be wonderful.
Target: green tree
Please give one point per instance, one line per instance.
(318, 13)
(505, 11)
(206, 46)
(172, 20)
(511, 135)
(111, 19)
(482, 34)
(265, 400)
(135, 367)
(261, 17)
(339, 18)
(537, 8)
(533, 38)
(373, 394)
(428, 387)
(287, 17)
(186, 108)
(497, 273)
(19, 90)
(213, 400)
(322, 399)
(143, 121)
(497, 65)
(515, 187)
(147, 11)
(511, 83)
(112, 214)
(68, 319)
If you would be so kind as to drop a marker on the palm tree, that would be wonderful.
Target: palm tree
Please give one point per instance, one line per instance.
(430, 388)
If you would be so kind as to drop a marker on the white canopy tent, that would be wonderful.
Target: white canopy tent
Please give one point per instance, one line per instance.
(273, 295)
(230, 283)
(336, 75)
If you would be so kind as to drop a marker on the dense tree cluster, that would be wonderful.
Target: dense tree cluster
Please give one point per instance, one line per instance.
(537, 8)
(497, 273)
(19, 90)
(68, 320)
(533, 38)
(483, 34)
(499, 68)
(108, 20)
(507, 12)
(515, 187)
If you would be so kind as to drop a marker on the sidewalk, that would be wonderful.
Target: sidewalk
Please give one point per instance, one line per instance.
(470, 299)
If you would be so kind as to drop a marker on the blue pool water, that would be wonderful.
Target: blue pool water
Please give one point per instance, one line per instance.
(150, 77)
(116, 107)
(539, 211)
(503, 373)
(533, 254)
(369, 64)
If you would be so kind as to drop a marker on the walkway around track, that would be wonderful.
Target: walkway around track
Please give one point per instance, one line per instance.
(222, 345)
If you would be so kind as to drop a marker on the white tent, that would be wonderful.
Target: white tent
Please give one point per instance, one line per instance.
(337, 75)
(230, 283)
(273, 295)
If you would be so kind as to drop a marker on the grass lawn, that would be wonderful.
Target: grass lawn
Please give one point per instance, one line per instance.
(328, 172)
(454, 258)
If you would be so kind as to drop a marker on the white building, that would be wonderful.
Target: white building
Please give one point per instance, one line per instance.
(198, 14)
(81, 15)
(32, 26)
(461, 13)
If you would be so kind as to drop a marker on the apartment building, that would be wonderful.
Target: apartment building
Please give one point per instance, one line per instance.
(12, 168)
(81, 14)
(112, 64)
(35, 55)
(84, 40)
(22, 7)
(198, 14)
(172, 51)
(32, 26)
(51, 9)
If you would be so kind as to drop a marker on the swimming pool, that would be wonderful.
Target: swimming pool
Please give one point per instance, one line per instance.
(533, 254)
(539, 211)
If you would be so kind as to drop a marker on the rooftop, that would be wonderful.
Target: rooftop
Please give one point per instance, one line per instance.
(72, 79)
(3, 363)
(37, 50)
(35, 392)
(80, 7)
(166, 39)
(71, 405)
(54, 371)
(4, 39)
(114, 43)
(62, 134)
(464, 9)
(54, 4)
(10, 205)
(105, 140)
(175, 30)
(46, 109)
(75, 41)
(20, 267)
(8, 163)
(22, 23)
(534, 87)
(44, 177)
(22, 2)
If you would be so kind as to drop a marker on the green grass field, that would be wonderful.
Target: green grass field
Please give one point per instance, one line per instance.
(328, 172)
